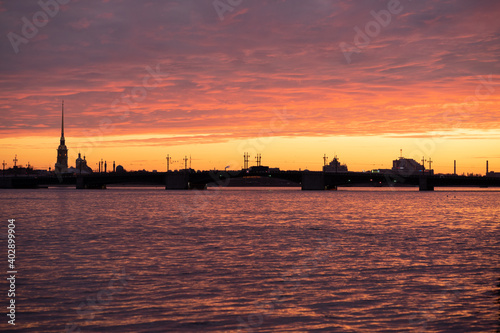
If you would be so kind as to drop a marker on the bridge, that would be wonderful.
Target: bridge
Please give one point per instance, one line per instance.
(307, 180)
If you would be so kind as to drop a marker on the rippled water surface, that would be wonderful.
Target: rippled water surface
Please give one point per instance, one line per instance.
(254, 260)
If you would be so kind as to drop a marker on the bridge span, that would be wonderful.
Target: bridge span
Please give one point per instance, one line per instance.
(307, 180)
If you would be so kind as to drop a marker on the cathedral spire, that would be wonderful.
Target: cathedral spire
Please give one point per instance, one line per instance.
(62, 151)
(62, 122)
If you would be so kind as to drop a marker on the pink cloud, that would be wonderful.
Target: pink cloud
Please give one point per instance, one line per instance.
(81, 24)
(228, 76)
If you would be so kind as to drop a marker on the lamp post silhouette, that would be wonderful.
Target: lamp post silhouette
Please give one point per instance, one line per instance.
(169, 159)
(15, 165)
(246, 156)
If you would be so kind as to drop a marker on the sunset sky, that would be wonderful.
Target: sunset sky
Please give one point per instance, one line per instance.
(292, 80)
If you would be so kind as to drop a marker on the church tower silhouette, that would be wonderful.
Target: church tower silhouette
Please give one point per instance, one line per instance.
(62, 150)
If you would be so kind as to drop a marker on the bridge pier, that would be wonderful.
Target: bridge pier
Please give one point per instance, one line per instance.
(177, 181)
(80, 183)
(424, 184)
(6, 182)
(83, 184)
(313, 181)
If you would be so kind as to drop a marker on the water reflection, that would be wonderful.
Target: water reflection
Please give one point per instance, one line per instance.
(259, 260)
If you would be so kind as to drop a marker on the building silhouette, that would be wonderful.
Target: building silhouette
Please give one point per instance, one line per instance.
(335, 166)
(407, 165)
(62, 151)
(81, 166)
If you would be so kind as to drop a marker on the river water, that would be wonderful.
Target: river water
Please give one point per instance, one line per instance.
(253, 260)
